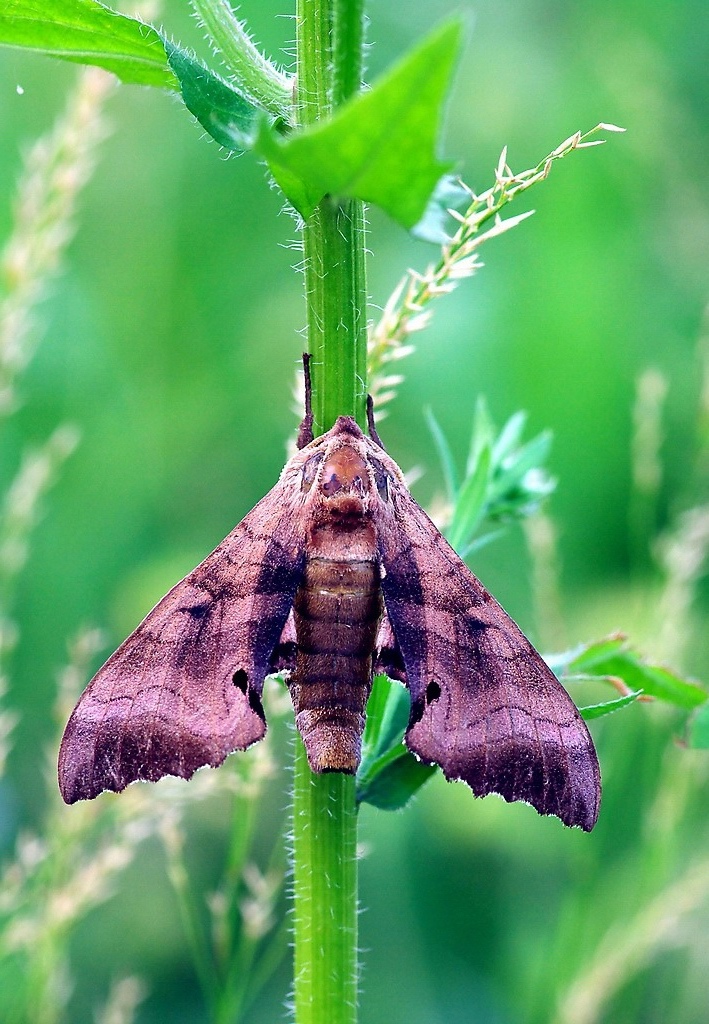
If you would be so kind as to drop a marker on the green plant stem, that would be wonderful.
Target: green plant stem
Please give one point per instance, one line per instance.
(333, 237)
(336, 296)
(254, 73)
(329, 61)
(348, 49)
(325, 895)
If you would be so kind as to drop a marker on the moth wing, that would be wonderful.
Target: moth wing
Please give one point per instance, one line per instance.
(484, 704)
(184, 690)
(387, 656)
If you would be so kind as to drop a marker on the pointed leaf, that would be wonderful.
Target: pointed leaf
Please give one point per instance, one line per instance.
(86, 32)
(223, 112)
(480, 542)
(582, 659)
(607, 707)
(514, 467)
(395, 780)
(450, 473)
(386, 720)
(436, 225)
(470, 505)
(510, 435)
(388, 774)
(483, 435)
(666, 685)
(613, 658)
(378, 147)
(653, 680)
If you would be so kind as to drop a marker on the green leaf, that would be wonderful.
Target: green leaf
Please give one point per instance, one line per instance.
(584, 657)
(388, 775)
(386, 720)
(437, 225)
(510, 435)
(86, 32)
(653, 680)
(698, 730)
(480, 542)
(503, 480)
(666, 685)
(483, 435)
(514, 466)
(613, 658)
(378, 147)
(393, 780)
(223, 112)
(450, 473)
(588, 656)
(607, 707)
(470, 505)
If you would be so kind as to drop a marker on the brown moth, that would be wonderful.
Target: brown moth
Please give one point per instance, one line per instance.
(335, 575)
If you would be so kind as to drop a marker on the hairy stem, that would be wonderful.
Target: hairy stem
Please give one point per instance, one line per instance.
(254, 73)
(325, 892)
(335, 296)
(333, 237)
(347, 49)
(329, 70)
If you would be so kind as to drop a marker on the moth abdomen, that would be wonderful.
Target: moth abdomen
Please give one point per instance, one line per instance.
(332, 738)
(337, 610)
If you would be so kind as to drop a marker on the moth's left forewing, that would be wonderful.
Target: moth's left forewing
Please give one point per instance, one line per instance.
(485, 706)
(184, 689)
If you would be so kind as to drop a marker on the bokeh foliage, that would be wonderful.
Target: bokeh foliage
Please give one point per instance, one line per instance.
(171, 341)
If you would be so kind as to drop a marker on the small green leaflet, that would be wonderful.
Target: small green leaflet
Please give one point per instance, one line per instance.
(504, 478)
(388, 775)
(470, 502)
(378, 147)
(86, 32)
(613, 658)
(445, 456)
(229, 118)
(606, 707)
(393, 780)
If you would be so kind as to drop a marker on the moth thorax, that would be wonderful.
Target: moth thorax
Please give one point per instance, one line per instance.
(332, 738)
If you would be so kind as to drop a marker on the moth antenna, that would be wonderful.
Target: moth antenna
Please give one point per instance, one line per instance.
(371, 424)
(305, 430)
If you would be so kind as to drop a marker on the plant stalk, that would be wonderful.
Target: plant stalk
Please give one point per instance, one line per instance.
(254, 74)
(325, 895)
(329, 49)
(329, 37)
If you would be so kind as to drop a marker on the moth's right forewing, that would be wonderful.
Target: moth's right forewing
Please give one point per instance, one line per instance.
(184, 690)
(485, 706)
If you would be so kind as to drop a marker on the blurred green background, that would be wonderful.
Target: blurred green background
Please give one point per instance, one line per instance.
(171, 341)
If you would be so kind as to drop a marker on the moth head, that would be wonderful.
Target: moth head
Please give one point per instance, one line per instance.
(343, 481)
(340, 471)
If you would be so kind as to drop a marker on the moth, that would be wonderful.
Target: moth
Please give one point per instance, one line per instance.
(336, 574)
